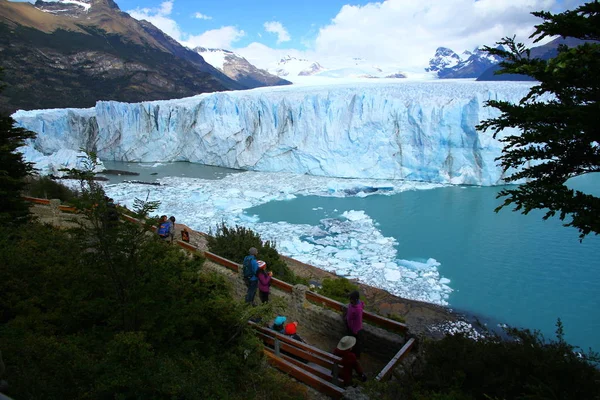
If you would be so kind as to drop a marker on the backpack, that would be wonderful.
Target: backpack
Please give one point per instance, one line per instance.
(247, 270)
(163, 229)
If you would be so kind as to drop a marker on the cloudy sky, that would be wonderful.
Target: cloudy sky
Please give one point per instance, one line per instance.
(405, 33)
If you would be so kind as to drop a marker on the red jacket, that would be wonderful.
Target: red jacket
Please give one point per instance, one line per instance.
(349, 363)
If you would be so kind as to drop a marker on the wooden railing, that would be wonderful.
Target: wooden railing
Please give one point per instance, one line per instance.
(308, 378)
(367, 316)
(295, 358)
(386, 371)
(46, 202)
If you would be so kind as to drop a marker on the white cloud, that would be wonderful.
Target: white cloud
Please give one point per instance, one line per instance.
(278, 29)
(407, 33)
(166, 7)
(201, 16)
(399, 33)
(223, 37)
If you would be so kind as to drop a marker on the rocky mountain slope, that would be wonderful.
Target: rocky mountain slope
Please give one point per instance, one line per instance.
(72, 54)
(239, 69)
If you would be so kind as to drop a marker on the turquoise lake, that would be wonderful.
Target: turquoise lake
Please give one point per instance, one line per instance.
(505, 268)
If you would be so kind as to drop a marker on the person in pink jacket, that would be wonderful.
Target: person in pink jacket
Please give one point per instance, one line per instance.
(264, 281)
(354, 323)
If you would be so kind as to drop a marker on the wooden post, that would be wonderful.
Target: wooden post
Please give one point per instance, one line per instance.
(334, 374)
(276, 345)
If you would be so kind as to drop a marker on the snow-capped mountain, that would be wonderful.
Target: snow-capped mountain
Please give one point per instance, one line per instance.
(443, 59)
(71, 8)
(238, 68)
(297, 69)
(290, 67)
(447, 64)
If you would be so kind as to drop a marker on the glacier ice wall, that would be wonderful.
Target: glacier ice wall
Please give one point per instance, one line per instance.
(423, 131)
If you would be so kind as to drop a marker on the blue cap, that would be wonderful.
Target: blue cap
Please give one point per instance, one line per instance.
(279, 320)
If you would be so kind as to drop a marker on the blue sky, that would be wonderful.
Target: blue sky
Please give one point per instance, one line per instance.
(401, 34)
(300, 19)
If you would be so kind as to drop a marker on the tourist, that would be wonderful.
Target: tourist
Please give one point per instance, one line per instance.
(291, 330)
(185, 235)
(354, 316)
(110, 219)
(278, 323)
(264, 281)
(250, 267)
(164, 228)
(349, 361)
(172, 231)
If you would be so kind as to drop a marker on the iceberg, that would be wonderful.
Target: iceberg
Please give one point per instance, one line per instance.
(409, 130)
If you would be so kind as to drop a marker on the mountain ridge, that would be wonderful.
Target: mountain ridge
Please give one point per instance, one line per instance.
(65, 55)
(239, 69)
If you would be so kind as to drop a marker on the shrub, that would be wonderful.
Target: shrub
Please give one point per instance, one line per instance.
(129, 318)
(524, 367)
(337, 289)
(234, 243)
(45, 187)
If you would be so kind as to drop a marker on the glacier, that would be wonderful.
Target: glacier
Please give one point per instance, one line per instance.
(408, 130)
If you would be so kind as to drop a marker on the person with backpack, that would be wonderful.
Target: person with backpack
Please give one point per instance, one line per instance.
(264, 281)
(164, 228)
(250, 267)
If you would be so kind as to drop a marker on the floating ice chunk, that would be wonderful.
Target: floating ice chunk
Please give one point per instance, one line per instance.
(392, 274)
(353, 215)
(352, 247)
(348, 254)
(254, 194)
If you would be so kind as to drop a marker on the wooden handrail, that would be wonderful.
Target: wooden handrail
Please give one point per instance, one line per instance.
(222, 261)
(304, 346)
(279, 284)
(325, 301)
(367, 316)
(304, 376)
(385, 372)
(305, 355)
(323, 374)
(385, 322)
(46, 202)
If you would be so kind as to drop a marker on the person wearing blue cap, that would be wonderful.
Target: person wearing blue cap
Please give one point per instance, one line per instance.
(278, 324)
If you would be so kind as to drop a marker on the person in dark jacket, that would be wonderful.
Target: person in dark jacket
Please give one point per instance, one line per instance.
(252, 281)
(354, 323)
(172, 231)
(349, 361)
(264, 281)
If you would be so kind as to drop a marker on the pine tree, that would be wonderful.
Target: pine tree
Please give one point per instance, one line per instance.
(559, 120)
(13, 170)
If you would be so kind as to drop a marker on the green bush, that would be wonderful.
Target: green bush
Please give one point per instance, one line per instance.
(234, 243)
(44, 187)
(89, 314)
(337, 289)
(524, 367)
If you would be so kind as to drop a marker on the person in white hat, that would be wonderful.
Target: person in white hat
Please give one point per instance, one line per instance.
(349, 360)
